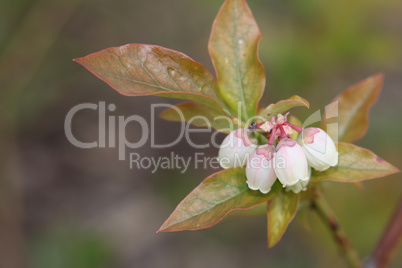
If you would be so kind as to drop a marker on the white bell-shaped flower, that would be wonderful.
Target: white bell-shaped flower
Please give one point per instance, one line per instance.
(319, 148)
(290, 163)
(236, 148)
(260, 171)
(301, 185)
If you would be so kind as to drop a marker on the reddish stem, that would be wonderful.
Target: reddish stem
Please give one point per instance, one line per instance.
(271, 138)
(298, 129)
(260, 124)
(283, 132)
(326, 214)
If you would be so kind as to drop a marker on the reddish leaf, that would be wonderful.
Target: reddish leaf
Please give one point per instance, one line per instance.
(281, 211)
(199, 115)
(353, 108)
(355, 164)
(233, 46)
(283, 106)
(215, 197)
(138, 69)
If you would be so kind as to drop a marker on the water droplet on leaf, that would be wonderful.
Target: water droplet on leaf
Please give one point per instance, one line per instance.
(175, 74)
(171, 71)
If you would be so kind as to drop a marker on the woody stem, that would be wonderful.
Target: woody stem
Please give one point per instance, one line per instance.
(326, 214)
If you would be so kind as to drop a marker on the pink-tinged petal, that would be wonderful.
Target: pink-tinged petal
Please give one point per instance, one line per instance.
(236, 148)
(309, 133)
(245, 136)
(268, 151)
(260, 171)
(290, 163)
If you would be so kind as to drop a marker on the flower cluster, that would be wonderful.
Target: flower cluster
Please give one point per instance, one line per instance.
(284, 158)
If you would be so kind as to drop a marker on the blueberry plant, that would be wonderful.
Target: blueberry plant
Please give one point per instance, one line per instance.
(268, 155)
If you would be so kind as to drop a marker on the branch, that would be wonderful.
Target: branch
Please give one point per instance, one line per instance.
(389, 240)
(326, 214)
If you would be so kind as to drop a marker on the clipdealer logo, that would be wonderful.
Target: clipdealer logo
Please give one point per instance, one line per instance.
(111, 137)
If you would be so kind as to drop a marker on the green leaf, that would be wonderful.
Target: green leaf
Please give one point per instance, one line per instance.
(353, 109)
(200, 115)
(138, 69)
(355, 164)
(283, 106)
(233, 47)
(215, 197)
(281, 211)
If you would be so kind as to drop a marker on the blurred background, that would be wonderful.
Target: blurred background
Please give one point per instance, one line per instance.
(62, 206)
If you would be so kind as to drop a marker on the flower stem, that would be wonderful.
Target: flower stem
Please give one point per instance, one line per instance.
(326, 214)
(283, 133)
(298, 129)
(272, 137)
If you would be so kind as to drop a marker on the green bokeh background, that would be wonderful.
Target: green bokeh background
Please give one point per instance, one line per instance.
(61, 206)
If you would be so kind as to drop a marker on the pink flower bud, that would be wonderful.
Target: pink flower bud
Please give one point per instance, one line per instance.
(290, 163)
(319, 148)
(236, 148)
(260, 171)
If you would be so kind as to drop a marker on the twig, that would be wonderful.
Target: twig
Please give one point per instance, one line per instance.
(326, 214)
(388, 242)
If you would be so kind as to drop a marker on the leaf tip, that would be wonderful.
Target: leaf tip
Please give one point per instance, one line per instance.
(270, 244)
(396, 170)
(163, 114)
(78, 60)
(304, 101)
(379, 76)
(166, 115)
(392, 167)
(163, 228)
(379, 81)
